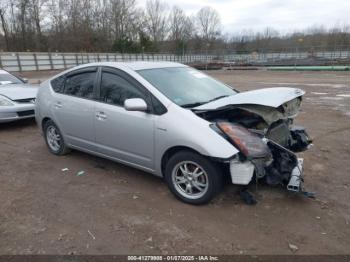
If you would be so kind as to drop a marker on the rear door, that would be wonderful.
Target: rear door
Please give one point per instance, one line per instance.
(127, 136)
(74, 107)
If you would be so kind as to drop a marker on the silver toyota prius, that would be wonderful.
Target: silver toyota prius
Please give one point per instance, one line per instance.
(175, 122)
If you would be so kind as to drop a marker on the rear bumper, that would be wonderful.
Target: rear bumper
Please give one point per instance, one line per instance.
(16, 112)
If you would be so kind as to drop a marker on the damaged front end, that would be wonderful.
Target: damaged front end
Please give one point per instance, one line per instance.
(267, 140)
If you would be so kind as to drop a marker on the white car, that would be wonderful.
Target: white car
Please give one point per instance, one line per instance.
(173, 121)
(17, 98)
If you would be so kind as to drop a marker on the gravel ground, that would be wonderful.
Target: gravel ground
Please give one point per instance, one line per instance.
(114, 209)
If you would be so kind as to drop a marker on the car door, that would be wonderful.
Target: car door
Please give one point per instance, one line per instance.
(127, 136)
(74, 108)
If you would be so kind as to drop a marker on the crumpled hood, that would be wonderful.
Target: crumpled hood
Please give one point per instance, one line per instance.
(18, 91)
(271, 97)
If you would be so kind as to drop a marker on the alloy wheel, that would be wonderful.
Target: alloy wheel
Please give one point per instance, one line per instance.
(53, 138)
(190, 179)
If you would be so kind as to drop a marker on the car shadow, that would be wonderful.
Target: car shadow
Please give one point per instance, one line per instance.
(15, 125)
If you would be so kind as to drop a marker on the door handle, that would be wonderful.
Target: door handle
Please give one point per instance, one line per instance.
(58, 105)
(101, 116)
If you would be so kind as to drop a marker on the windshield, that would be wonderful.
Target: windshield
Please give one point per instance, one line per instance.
(6, 78)
(186, 86)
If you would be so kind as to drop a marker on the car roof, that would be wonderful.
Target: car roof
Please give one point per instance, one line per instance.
(137, 65)
(140, 65)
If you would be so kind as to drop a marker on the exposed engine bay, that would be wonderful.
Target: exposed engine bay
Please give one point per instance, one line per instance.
(267, 140)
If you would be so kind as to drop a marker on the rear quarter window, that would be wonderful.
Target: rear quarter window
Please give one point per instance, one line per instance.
(57, 84)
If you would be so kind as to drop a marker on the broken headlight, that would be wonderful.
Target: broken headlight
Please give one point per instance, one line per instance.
(247, 142)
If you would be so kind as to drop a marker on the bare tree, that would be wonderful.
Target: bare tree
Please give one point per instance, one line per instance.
(56, 13)
(36, 13)
(124, 15)
(4, 23)
(208, 21)
(156, 20)
(120, 25)
(181, 26)
(22, 6)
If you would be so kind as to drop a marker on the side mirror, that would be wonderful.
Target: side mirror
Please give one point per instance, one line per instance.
(25, 80)
(135, 104)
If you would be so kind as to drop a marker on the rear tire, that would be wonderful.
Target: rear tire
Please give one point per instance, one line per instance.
(193, 178)
(54, 139)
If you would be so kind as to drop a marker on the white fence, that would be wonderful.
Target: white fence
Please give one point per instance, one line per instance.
(26, 61)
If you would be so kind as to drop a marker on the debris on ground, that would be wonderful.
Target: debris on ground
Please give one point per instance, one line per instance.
(293, 247)
(135, 197)
(93, 237)
(324, 149)
(80, 173)
(247, 197)
(60, 237)
(150, 239)
(309, 194)
(40, 230)
(324, 204)
(65, 169)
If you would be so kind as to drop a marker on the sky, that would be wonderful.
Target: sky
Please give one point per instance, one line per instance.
(285, 16)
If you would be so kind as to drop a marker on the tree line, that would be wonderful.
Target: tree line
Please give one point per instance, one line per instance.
(123, 26)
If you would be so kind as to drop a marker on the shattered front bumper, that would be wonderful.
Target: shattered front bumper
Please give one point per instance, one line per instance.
(280, 166)
(296, 179)
(242, 173)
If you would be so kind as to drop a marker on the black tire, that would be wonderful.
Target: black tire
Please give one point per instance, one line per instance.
(62, 149)
(213, 176)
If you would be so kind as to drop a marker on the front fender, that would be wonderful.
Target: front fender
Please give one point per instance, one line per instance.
(188, 130)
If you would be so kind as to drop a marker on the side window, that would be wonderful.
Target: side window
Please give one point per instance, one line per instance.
(81, 85)
(115, 89)
(58, 84)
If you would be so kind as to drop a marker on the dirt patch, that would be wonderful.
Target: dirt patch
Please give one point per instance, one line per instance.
(114, 209)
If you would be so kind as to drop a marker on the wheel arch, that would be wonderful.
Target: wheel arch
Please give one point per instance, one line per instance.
(44, 121)
(171, 151)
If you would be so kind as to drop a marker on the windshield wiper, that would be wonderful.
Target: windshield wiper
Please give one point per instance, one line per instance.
(217, 98)
(202, 103)
(190, 105)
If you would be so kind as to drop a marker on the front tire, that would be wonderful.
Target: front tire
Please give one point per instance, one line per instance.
(54, 139)
(193, 178)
